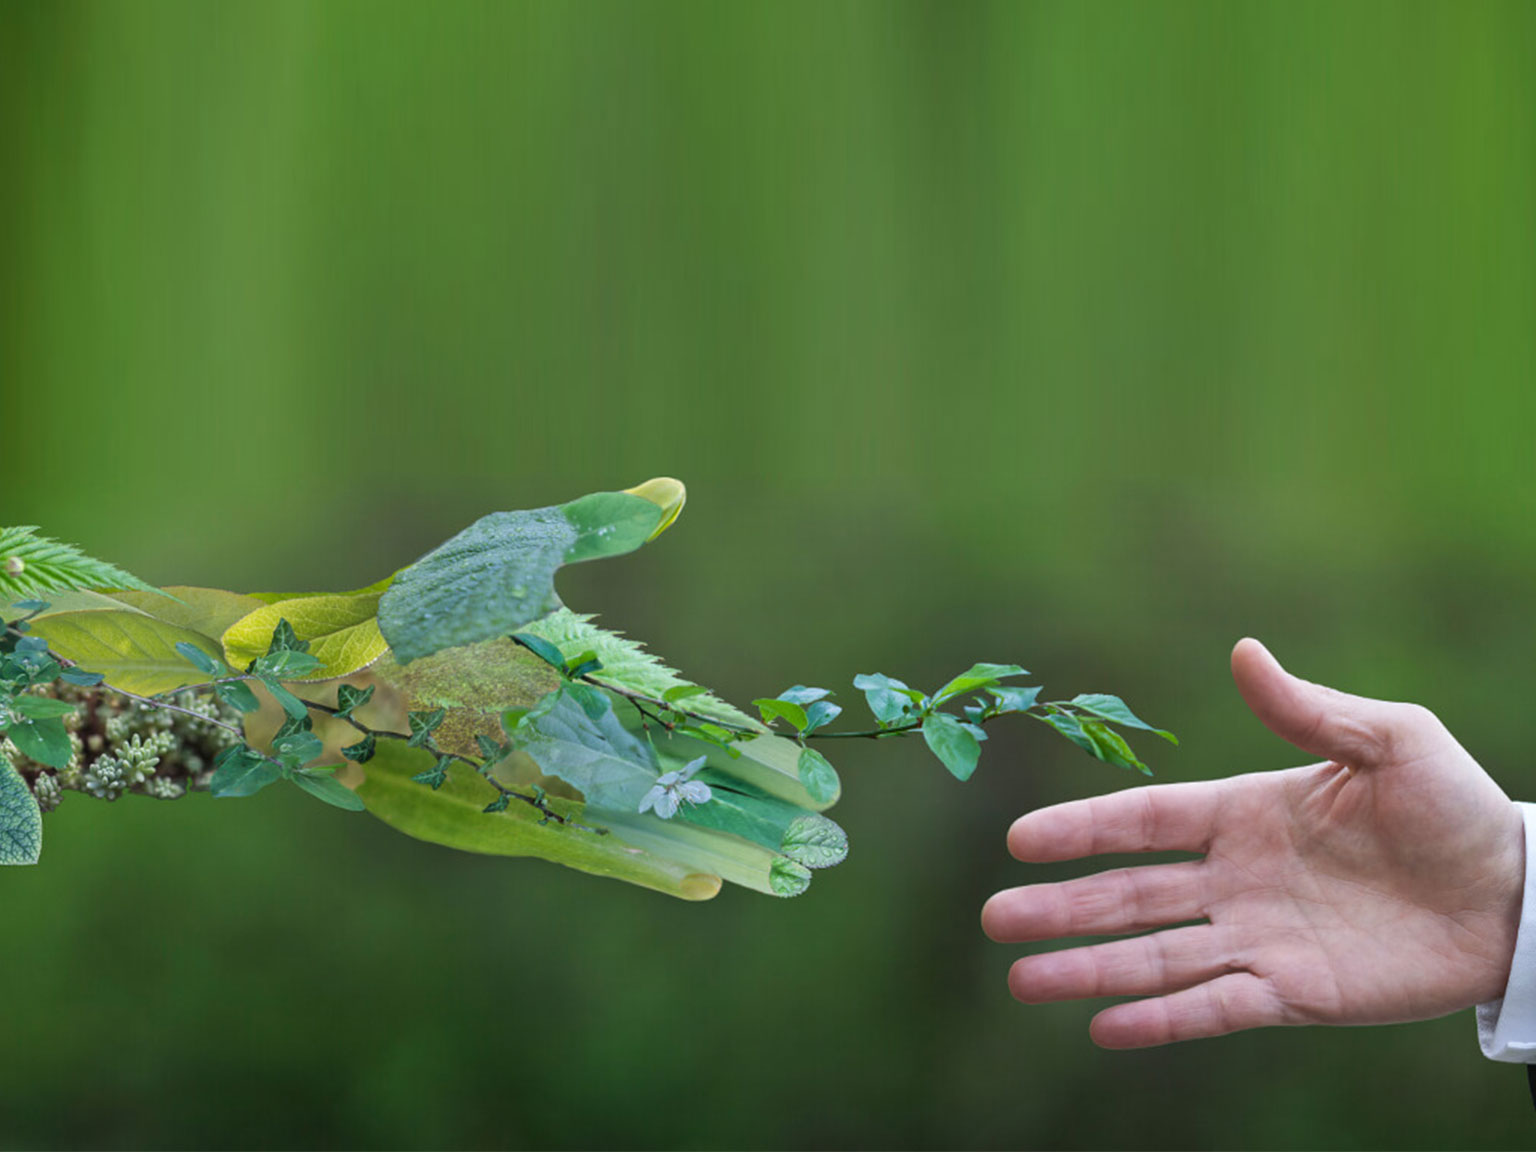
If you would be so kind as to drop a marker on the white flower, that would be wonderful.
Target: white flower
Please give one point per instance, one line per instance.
(673, 788)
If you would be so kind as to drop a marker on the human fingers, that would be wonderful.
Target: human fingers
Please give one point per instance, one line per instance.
(1123, 900)
(1230, 1003)
(1142, 966)
(1352, 730)
(1162, 817)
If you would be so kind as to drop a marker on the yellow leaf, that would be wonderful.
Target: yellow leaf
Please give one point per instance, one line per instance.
(342, 630)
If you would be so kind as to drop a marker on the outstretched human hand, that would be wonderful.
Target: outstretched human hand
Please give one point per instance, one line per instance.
(1382, 886)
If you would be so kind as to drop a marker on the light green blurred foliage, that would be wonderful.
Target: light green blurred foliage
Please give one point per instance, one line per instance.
(1091, 336)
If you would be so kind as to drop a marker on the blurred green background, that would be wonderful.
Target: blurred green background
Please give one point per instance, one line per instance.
(1092, 336)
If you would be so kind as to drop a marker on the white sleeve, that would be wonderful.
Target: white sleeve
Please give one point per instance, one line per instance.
(1506, 1028)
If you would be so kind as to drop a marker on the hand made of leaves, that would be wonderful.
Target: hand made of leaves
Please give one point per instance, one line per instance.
(460, 702)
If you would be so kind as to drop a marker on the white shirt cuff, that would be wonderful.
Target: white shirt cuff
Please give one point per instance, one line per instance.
(1506, 1028)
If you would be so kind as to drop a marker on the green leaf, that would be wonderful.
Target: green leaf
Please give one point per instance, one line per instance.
(286, 664)
(455, 816)
(804, 696)
(815, 841)
(1010, 699)
(321, 784)
(46, 741)
(820, 714)
(198, 658)
(341, 632)
(362, 751)
(1113, 708)
(135, 652)
(787, 878)
(41, 707)
(81, 679)
(889, 699)
(21, 822)
(349, 698)
(541, 648)
(976, 677)
(285, 639)
(807, 838)
(499, 804)
(1110, 746)
(772, 709)
(240, 772)
(298, 748)
(238, 695)
(1069, 727)
(950, 741)
(680, 692)
(434, 777)
(818, 776)
(207, 611)
(30, 564)
(595, 754)
(490, 751)
(290, 703)
(498, 574)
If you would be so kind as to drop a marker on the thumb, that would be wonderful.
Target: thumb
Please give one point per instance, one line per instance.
(1351, 730)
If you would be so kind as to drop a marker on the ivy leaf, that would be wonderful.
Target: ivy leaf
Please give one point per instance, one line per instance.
(498, 574)
(45, 741)
(818, 776)
(952, 743)
(976, 677)
(423, 724)
(436, 776)
(349, 698)
(21, 822)
(285, 639)
(772, 709)
(1113, 708)
(240, 772)
(499, 804)
(490, 751)
(198, 658)
(321, 784)
(889, 699)
(362, 751)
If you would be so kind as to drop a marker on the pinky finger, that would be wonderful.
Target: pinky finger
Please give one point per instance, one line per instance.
(1226, 1004)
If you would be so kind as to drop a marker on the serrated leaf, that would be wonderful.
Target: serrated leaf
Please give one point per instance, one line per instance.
(818, 776)
(21, 822)
(955, 747)
(978, 676)
(319, 783)
(46, 741)
(133, 651)
(240, 772)
(1113, 708)
(815, 841)
(31, 564)
(787, 878)
(628, 667)
(498, 574)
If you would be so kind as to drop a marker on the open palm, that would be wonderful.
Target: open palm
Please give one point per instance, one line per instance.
(1382, 885)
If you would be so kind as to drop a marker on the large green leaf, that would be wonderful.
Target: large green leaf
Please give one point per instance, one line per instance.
(454, 815)
(498, 574)
(578, 738)
(206, 610)
(21, 823)
(135, 652)
(342, 631)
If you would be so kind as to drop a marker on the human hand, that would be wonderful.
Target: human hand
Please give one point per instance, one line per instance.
(1381, 886)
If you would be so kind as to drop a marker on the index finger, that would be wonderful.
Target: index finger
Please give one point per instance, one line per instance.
(1157, 818)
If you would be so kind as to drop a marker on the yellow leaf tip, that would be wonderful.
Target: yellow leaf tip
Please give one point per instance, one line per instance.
(667, 494)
